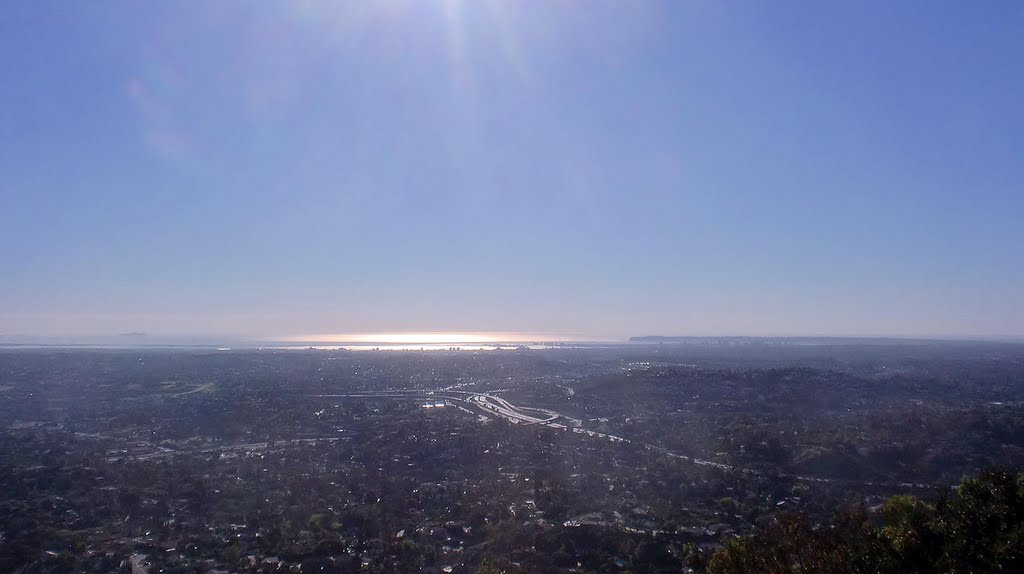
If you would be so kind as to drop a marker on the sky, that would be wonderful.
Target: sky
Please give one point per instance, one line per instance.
(594, 169)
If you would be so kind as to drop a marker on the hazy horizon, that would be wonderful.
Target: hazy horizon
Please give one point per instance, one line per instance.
(414, 341)
(607, 170)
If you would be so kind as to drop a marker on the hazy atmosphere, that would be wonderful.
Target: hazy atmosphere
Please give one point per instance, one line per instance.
(576, 169)
(512, 287)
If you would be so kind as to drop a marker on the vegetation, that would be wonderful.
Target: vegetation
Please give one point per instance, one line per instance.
(977, 528)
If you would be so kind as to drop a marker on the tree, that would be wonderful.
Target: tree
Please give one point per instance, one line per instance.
(979, 529)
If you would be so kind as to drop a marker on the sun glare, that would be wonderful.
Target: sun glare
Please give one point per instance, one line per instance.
(426, 338)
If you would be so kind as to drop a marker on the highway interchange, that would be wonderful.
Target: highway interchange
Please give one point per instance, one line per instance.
(489, 403)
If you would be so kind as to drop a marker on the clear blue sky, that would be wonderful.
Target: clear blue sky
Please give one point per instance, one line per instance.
(588, 167)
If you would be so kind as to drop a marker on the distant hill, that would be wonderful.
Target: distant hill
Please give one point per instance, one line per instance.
(779, 341)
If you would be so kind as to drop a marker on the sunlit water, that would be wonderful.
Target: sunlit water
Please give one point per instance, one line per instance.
(427, 341)
(423, 347)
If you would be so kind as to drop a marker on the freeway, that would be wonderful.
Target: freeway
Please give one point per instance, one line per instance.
(490, 403)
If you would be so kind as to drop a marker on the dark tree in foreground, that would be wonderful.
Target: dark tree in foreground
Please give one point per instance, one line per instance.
(978, 528)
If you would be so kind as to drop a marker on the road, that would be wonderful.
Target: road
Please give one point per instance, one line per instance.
(252, 446)
(489, 402)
